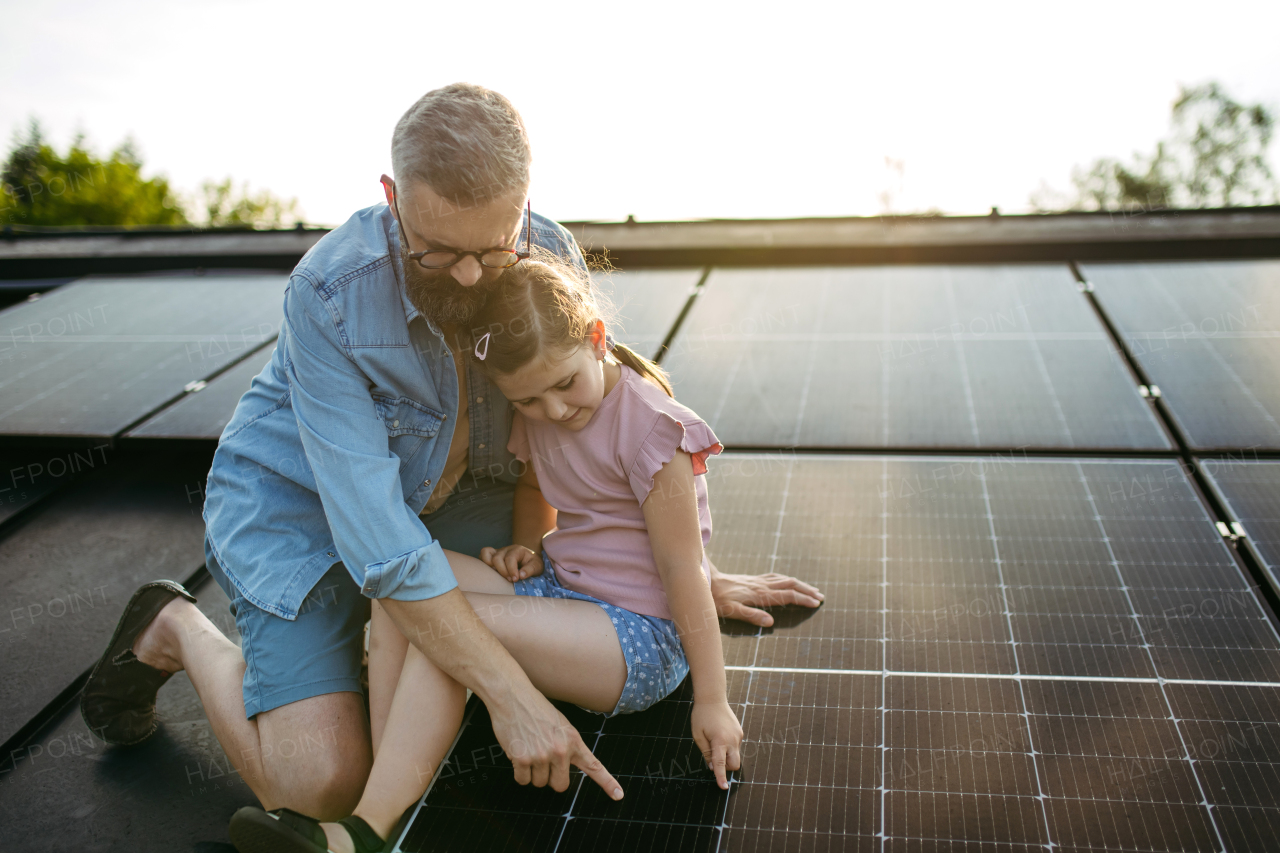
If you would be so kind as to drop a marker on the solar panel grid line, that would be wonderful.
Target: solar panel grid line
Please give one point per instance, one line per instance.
(909, 337)
(995, 544)
(809, 366)
(777, 538)
(1053, 392)
(884, 634)
(1204, 800)
(408, 824)
(1241, 386)
(568, 815)
(1008, 676)
(966, 384)
(886, 306)
(723, 823)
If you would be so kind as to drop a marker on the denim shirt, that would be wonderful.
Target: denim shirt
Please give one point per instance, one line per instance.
(335, 447)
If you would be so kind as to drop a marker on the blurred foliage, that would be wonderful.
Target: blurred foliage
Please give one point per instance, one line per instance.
(40, 186)
(221, 204)
(1214, 156)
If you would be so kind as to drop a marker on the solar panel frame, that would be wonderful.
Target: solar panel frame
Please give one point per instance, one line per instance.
(1207, 333)
(643, 305)
(203, 413)
(1250, 492)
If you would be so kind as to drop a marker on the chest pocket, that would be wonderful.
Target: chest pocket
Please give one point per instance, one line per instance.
(408, 423)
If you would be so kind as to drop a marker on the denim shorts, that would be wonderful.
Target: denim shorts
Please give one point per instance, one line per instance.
(320, 651)
(655, 658)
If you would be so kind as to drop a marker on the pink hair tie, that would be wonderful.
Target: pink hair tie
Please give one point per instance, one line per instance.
(484, 339)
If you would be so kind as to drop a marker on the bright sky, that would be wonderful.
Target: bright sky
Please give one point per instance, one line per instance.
(662, 110)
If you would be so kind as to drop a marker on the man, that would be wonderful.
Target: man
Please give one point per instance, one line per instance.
(365, 448)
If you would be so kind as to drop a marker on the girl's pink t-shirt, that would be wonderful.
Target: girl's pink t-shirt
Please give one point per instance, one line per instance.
(598, 477)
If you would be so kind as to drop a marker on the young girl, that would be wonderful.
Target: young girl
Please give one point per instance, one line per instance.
(610, 521)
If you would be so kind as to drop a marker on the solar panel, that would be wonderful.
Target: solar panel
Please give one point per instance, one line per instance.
(1207, 333)
(92, 357)
(1012, 654)
(204, 412)
(70, 786)
(1251, 491)
(645, 303)
(989, 356)
(66, 573)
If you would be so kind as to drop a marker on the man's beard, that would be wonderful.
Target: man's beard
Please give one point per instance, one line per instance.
(440, 298)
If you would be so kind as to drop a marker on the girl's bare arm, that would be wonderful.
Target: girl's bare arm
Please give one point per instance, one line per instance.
(532, 516)
(671, 515)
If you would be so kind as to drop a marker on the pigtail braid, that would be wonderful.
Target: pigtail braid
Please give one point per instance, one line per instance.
(646, 368)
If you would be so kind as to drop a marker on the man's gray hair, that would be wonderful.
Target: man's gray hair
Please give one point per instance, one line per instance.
(466, 142)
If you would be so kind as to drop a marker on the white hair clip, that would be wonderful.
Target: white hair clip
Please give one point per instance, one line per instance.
(484, 339)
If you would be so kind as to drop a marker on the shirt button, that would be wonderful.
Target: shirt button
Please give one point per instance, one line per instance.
(479, 447)
(426, 482)
(395, 423)
(330, 554)
(479, 399)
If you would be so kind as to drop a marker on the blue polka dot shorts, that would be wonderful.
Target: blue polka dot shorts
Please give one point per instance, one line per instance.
(655, 658)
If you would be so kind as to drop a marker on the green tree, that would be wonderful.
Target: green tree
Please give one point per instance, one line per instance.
(222, 204)
(42, 187)
(1215, 155)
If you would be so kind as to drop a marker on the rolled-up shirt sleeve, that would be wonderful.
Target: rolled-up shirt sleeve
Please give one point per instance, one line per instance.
(379, 538)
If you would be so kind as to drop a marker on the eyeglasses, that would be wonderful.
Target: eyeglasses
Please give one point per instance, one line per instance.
(499, 259)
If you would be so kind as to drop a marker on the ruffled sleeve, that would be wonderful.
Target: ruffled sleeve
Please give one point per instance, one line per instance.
(659, 447)
(519, 441)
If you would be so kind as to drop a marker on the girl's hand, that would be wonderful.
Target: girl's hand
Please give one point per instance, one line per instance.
(514, 562)
(718, 734)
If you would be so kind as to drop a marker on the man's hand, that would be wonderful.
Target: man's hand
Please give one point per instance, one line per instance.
(542, 745)
(514, 562)
(538, 739)
(740, 596)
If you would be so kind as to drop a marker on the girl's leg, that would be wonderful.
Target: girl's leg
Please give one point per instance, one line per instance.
(387, 648)
(569, 649)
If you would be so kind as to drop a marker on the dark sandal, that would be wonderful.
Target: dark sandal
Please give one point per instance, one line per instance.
(286, 831)
(118, 703)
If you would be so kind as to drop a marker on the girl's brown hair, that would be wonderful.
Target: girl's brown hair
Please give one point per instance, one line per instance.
(544, 305)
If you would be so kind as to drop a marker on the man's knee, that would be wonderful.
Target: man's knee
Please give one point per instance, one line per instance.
(316, 757)
(331, 787)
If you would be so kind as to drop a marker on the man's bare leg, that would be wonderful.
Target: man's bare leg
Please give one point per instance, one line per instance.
(312, 756)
